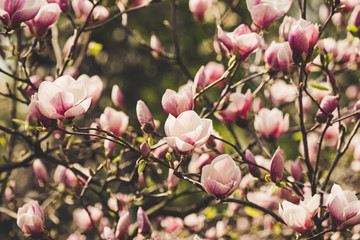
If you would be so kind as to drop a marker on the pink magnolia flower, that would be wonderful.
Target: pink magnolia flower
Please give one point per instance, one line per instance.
(36, 80)
(343, 206)
(213, 71)
(82, 9)
(122, 227)
(172, 180)
(303, 36)
(175, 103)
(114, 121)
(82, 218)
(187, 131)
(63, 4)
(155, 44)
(299, 217)
(265, 12)
(241, 41)
(253, 170)
(280, 92)
(40, 171)
(117, 97)
(296, 169)
(30, 219)
(328, 104)
(348, 5)
(10, 191)
(44, 19)
(277, 165)
(238, 109)
(200, 79)
(222, 177)
(278, 56)
(108, 234)
(284, 28)
(13, 12)
(198, 8)
(94, 86)
(271, 123)
(172, 224)
(145, 117)
(63, 98)
(76, 236)
(355, 17)
(35, 112)
(143, 222)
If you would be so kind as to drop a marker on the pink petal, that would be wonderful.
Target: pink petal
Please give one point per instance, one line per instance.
(79, 109)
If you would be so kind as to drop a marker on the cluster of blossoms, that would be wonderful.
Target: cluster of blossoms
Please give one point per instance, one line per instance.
(220, 161)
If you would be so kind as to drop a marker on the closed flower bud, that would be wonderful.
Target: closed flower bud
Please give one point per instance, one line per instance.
(296, 169)
(198, 8)
(155, 44)
(328, 104)
(117, 97)
(145, 149)
(200, 79)
(144, 116)
(30, 219)
(277, 165)
(254, 170)
(122, 227)
(222, 177)
(143, 222)
(172, 180)
(109, 234)
(40, 171)
(10, 191)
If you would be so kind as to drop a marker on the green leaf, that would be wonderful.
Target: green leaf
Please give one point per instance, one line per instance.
(318, 86)
(11, 58)
(19, 122)
(142, 165)
(252, 212)
(150, 141)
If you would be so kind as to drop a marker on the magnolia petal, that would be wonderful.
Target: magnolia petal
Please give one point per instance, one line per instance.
(79, 109)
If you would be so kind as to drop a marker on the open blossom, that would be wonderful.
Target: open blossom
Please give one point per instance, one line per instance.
(284, 28)
(175, 103)
(222, 177)
(198, 8)
(94, 86)
(35, 112)
(213, 71)
(30, 219)
(187, 131)
(278, 56)
(271, 123)
(114, 121)
(12, 12)
(344, 207)
(239, 107)
(303, 36)
(63, 98)
(241, 41)
(299, 217)
(265, 12)
(44, 19)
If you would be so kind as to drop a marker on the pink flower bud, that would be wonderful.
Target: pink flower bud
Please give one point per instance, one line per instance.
(238, 110)
(109, 234)
(117, 97)
(241, 41)
(213, 71)
(14, 12)
(122, 227)
(143, 222)
(114, 121)
(198, 8)
(76, 236)
(172, 181)
(145, 149)
(303, 36)
(222, 177)
(355, 17)
(271, 123)
(161, 151)
(296, 169)
(255, 171)
(44, 19)
(328, 104)
(200, 79)
(93, 85)
(109, 147)
(35, 79)
(265, 12)
(63, 98)
(10, 191)
(187, 131)
(175, 103)
(277, 165)
(284, 28)
(40, 171)
(155, 44)
(30, 219)
(144, 116)
(278, 56)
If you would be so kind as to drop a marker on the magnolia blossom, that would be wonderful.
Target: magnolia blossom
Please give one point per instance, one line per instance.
(328, 104)
(241, 41)
(35, 112)
(117, 97)
(12, 12)
(299, 217)
(239, 107)
(30, 219)
(143, 222)
(82, 9)
(63, 4)
(145, 117)
(82, 218)
(198, 8)
(284, 28)
(187, 131)
(355, 17)
(40, 171)
(222, 177)
(280, 92)
(213, 71)
(94, 86)
(61, 99)
(265, 12)
(343, 206)
(277, 165)
(122, 226)
(175, 103)
(199, 79)
(303, 36)
(271, 123)
(44, 19)
(114, 121)
(278, 56)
